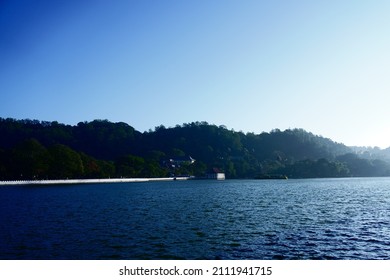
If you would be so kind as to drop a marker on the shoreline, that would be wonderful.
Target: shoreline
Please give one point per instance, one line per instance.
(89, 181)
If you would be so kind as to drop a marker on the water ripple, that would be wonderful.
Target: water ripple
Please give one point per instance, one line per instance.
(294, 219)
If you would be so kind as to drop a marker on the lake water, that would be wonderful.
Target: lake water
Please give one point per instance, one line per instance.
(232, 219)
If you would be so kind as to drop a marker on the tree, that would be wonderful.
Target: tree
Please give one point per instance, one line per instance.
(29, 160)
(129, 166)
(4, 175)
(94, 168)
(65, 163)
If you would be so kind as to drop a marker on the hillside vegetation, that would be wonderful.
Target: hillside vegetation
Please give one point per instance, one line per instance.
(31, 149)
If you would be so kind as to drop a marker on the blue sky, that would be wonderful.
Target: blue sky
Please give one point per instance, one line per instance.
(323, 66)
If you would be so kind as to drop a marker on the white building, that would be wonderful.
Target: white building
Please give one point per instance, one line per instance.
(215, 174)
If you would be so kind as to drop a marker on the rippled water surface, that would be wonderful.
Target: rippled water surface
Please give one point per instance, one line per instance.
(232, 219)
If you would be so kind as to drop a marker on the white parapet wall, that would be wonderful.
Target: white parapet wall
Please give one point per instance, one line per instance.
(89, 181)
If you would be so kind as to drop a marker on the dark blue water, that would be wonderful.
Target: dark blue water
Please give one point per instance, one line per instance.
(232, 219)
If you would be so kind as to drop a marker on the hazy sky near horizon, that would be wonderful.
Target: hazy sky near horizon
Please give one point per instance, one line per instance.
(323, 66)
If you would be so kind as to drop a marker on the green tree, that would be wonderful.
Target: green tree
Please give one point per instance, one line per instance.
(65, 163)
(130, 166)
(29, 160)
(199, 168)
(4, 174)
(94, 168)
(152, 169)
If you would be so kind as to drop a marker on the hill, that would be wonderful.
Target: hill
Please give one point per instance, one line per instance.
(99, 149)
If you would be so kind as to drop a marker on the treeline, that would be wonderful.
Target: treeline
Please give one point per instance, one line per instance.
(30, 160)
(31, 149)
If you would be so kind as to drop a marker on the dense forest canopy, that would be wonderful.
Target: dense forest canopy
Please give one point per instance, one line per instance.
(31, 149)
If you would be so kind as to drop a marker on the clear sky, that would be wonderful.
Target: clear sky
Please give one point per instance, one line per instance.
(323, 66)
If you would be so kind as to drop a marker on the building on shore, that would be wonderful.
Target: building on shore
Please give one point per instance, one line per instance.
(215, 174)
(178, 161)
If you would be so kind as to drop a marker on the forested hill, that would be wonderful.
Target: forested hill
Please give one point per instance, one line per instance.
(31, 149)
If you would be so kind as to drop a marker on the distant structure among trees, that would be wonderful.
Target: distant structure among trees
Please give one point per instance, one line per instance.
(178, 161)
(215, 173)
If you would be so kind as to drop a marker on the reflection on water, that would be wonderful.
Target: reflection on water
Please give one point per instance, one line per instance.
(237, 219)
